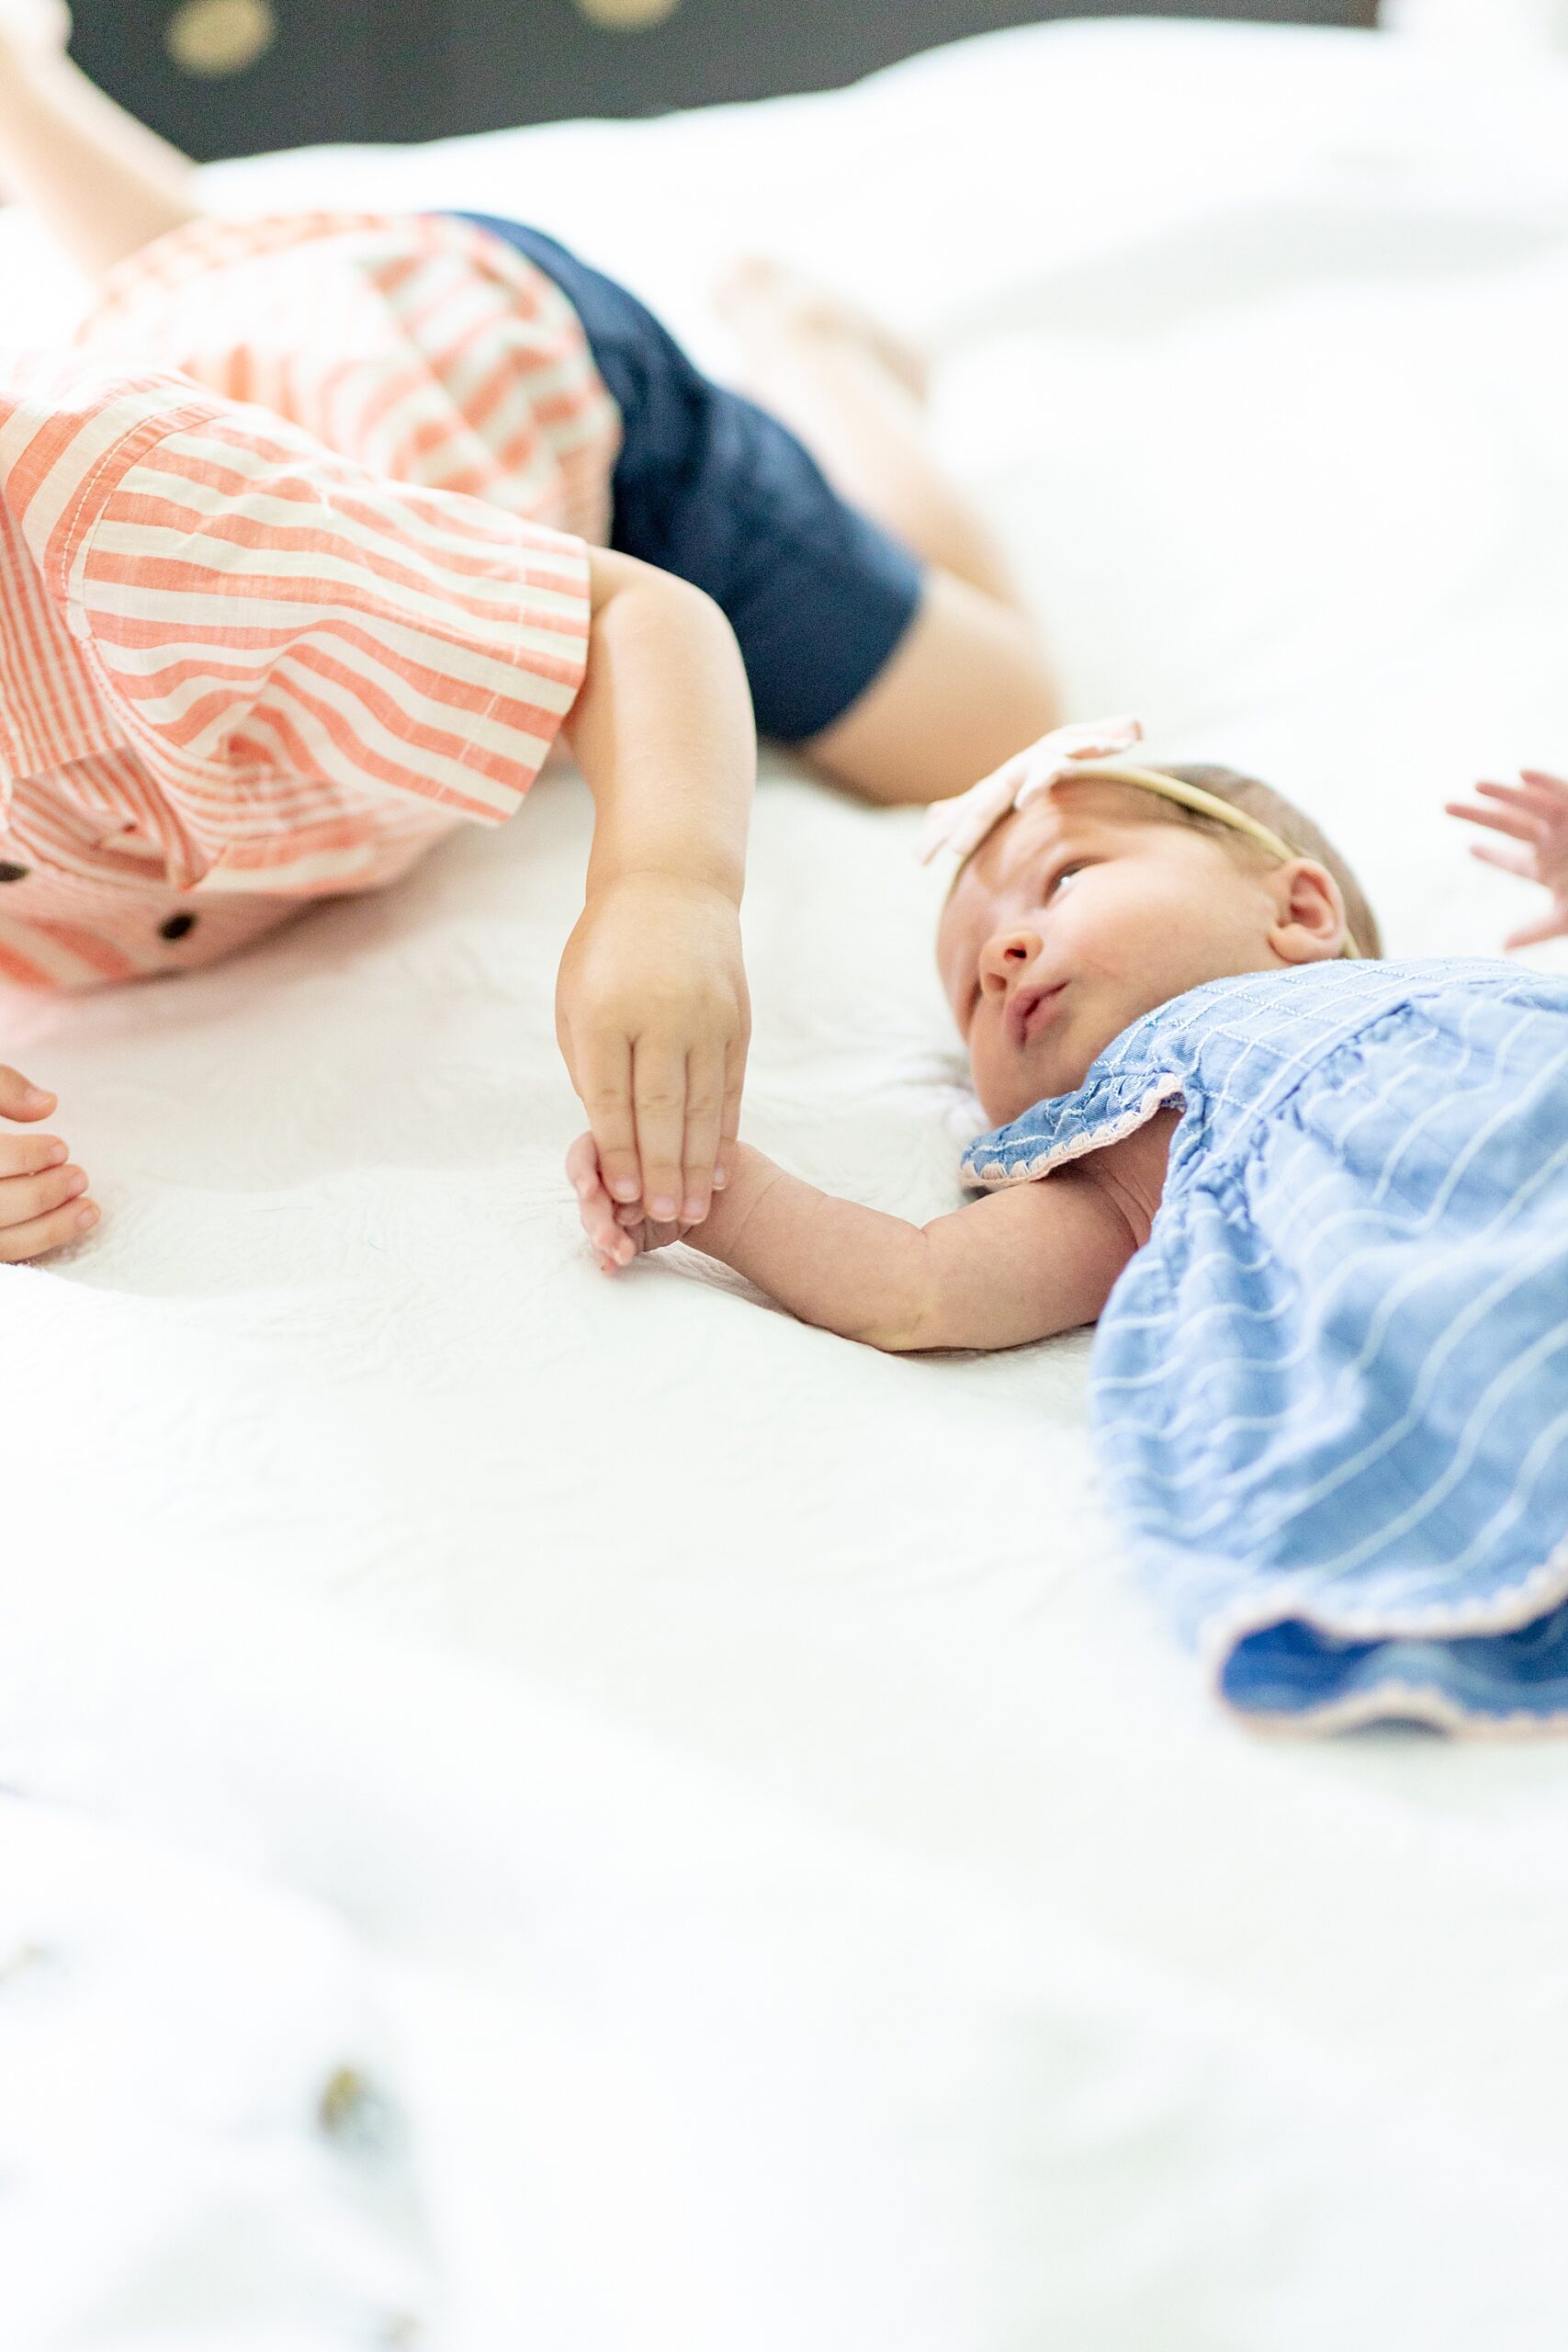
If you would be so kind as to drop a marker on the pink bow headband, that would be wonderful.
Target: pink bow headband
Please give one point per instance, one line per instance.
(961, 824)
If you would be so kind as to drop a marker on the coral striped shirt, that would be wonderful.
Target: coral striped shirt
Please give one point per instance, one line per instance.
(240, 668)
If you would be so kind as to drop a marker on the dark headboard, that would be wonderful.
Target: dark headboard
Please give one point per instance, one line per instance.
(232, 77)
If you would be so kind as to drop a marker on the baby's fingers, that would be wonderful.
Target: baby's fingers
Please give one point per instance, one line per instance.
(705, 1114)
(20, 1098)
(583, 1167)
(604, 1082)
(602, 1224)
(601, 1219)
(1507, 861)
(1518, 819)
(1551, 926)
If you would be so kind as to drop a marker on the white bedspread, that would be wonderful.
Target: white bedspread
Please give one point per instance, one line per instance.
(592, 1815)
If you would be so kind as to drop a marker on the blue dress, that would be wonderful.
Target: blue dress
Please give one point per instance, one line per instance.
(1331, 1392)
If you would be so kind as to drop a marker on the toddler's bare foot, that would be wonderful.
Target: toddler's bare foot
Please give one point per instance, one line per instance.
(33, 28)
(776, 314)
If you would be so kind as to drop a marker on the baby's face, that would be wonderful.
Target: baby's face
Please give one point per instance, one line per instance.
(1079, 913)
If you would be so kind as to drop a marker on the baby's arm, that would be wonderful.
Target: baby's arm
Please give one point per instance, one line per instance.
(1017, 1265)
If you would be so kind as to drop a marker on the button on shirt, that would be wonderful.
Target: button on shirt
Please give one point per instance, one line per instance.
(253, 655)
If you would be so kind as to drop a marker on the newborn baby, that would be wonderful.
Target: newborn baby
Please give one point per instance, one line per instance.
(1318, 1203)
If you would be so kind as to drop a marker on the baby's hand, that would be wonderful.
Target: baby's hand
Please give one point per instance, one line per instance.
(1534, 811)
(41, 1207)
(618, 1231)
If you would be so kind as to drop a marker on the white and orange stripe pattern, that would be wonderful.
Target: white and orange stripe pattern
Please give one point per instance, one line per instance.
(420, 344)
(240, 670)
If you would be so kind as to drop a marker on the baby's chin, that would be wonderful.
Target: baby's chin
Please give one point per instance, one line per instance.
(1007, 1095)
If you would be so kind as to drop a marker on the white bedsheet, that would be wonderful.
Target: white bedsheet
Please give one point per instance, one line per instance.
(704, 1806)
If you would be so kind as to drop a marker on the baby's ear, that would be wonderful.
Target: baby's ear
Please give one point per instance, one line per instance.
(1311, 927)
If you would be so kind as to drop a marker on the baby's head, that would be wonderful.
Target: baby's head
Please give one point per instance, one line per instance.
(1099, 900)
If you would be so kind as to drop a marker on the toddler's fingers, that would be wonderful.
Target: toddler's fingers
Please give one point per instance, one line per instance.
(699, 1151)
(20, 1098)
(604, 1084)
(1521, 824)
(24, 1199)
(62, 1226)
(729, 1118)
(27, 1155)
(1551, 787)
(659, 1090)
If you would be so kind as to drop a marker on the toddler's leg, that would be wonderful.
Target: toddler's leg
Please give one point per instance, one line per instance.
(102, 183)
(969, 683)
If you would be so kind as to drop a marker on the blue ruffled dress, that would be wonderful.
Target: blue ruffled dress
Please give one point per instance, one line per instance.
(1331, 1392)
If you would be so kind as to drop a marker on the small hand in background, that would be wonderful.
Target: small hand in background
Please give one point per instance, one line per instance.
(41, 1207)
(1533, 812)
(619, 1231)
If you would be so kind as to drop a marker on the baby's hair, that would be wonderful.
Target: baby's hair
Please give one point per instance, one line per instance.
(1260, 800)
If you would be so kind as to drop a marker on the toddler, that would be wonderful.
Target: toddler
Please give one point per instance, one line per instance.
(1317, 1203)
(329, 526)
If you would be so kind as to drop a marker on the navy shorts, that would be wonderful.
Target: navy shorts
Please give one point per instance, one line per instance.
(710, 487)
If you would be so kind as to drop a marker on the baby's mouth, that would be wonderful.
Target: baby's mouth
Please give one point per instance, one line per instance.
(1031, 1009)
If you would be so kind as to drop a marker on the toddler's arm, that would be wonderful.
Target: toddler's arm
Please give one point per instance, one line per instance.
(336, 637)
(1533, 812)
(651, 1002)
(1017, 1265)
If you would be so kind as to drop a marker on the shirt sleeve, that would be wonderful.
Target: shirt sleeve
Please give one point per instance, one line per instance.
(275, 625)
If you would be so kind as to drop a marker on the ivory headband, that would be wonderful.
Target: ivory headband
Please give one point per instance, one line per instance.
(961, 824)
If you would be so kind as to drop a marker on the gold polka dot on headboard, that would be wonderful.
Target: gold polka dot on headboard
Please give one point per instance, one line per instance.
(627, 16)
(214, 37)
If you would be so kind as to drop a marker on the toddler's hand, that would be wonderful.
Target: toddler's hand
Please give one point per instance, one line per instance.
(1534, 811)
(41, 1207)
(618, 1234)
(654, 1021)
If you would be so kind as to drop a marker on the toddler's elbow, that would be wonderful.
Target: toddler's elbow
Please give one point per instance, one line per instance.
(634, 588)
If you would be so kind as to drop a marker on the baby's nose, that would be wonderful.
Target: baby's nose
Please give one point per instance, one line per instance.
(1005, 956)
